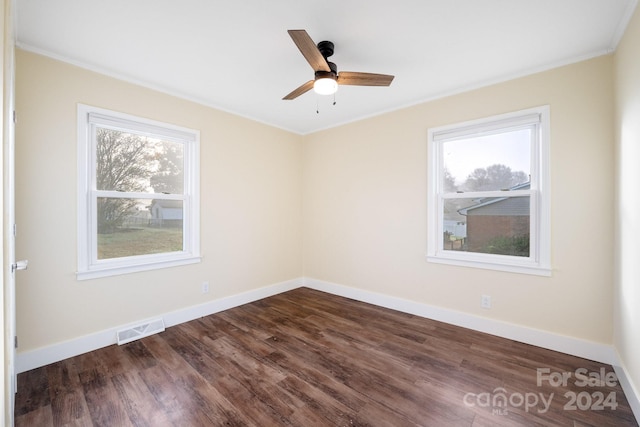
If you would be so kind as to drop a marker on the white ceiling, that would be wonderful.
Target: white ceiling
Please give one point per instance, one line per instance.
(238, 57)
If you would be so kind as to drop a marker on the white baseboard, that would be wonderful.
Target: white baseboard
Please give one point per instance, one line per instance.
(32, 359)
(195, 312)
(630, 391)
(565, 344)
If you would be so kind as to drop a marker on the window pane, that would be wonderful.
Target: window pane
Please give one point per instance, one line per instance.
(487, 163)
(134, 163)
(129, 227)
(492, 225)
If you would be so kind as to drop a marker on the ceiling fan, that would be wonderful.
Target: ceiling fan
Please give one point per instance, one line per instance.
(327, 78)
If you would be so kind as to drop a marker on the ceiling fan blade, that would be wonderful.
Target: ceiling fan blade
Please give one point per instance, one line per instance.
(309, 50)
(300, 90)
(364, 79)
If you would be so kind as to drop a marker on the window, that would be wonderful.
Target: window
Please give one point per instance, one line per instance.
(488, 199)
(138, 189)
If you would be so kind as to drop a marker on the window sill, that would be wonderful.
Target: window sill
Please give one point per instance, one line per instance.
(114, 270)
(489, 264)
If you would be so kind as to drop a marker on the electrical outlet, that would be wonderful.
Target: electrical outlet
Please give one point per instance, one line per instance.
(485, 302)
(205, 287)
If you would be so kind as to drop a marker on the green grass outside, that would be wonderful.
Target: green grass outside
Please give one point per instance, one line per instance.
(139, 241)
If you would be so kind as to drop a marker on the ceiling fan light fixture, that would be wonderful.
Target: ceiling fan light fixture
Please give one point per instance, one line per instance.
(325, 86)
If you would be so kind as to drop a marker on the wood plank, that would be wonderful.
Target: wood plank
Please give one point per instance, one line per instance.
(105, 406)
(36, 391)
(136, 397)
(41, 417)
(68, 403)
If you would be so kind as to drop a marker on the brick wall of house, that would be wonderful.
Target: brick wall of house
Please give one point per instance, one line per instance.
(481, 229)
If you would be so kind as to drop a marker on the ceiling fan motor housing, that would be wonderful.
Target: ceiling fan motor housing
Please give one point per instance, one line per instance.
(333, 74)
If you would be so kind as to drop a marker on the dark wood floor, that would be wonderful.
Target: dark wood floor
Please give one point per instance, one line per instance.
(306, 358)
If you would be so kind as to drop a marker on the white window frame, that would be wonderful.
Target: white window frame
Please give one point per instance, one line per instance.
(539, 261)
(89, 266)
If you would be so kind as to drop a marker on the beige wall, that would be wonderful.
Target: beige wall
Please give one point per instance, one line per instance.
(250, 206)
(627, 267)
(365, 205)
(346, 205)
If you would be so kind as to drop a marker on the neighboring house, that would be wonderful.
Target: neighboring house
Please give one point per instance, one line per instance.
(455, 228)
(166, 213)
(455, 233)
(139, 216)
(495, 217)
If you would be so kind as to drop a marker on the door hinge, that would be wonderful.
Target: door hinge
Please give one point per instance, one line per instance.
(15, 230)
(15, 341)
(19, 265)
(15, 117)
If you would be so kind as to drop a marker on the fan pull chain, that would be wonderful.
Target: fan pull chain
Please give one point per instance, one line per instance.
(318, 102)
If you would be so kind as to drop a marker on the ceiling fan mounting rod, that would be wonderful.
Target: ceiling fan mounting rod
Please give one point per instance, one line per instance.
(326, 48)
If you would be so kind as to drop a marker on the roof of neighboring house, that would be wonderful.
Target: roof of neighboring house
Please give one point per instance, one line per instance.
(167, 204)
(501, 205)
